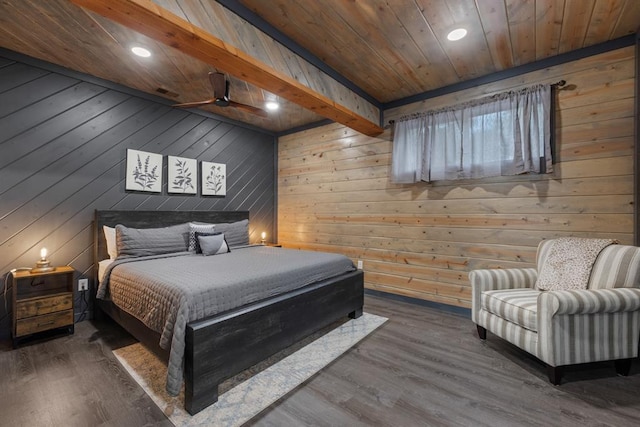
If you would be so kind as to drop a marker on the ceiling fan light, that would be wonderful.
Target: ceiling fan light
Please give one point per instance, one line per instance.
(140, 51)
(457, 34)
(271, 105)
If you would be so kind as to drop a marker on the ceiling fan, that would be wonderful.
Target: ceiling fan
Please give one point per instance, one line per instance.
(221, 97)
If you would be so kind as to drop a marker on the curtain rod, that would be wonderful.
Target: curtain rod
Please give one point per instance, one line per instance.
(559, 83)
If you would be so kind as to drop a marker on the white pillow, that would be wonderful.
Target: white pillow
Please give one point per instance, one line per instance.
(198, 227)
(110, 239)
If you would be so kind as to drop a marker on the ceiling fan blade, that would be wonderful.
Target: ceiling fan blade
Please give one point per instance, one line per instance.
(219, 84)
(221, 97)
(194, 104)
(248, 108)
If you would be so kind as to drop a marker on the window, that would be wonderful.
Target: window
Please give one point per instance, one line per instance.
(507, 134)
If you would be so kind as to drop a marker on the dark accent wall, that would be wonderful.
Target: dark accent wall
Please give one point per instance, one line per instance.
(63, 143)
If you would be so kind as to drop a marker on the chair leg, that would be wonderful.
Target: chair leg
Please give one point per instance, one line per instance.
(555, 374)
(623, 366)
(482, 332)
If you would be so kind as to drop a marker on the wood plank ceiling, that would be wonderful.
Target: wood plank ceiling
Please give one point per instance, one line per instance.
(389, 49)
(393, 49)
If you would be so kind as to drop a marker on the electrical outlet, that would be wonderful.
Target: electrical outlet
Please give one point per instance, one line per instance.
(83, 285)
(360, 264)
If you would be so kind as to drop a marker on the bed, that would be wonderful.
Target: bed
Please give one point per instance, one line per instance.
(221, 345)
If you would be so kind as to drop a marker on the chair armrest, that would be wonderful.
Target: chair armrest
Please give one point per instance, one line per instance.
(589, 325)
(498, 278)
(587, 301)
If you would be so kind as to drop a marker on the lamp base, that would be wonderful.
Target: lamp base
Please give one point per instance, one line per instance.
(42, 266)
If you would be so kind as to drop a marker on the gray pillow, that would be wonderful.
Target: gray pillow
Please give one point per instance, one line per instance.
(236, 233)
(198, 249)
(137, 242)
(213, 244)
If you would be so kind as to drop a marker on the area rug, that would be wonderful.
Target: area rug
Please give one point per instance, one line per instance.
(250, 396)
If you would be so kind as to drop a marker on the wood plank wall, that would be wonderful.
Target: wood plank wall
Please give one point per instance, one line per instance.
(421, 240)
(63, 145)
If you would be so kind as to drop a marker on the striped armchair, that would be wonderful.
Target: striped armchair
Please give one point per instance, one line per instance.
(565, 327)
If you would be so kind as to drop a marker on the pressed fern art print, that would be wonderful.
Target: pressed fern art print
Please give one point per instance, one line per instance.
(182, 175)
(214, 179)
(144, 171)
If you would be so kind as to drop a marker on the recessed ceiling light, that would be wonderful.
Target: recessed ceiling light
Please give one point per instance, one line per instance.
(272, 105)
(457, 34)
(140, 51)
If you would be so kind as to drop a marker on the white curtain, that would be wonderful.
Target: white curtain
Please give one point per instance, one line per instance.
(507, 134)
(408, 148)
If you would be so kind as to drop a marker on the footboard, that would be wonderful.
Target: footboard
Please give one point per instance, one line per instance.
(224, 345)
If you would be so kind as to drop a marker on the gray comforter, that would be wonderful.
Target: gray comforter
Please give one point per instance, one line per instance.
(166, 292)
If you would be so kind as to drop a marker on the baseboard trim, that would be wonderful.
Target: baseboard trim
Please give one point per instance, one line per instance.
(461, 311)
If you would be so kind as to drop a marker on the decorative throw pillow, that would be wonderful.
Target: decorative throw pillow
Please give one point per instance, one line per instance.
(137, 242)
(110, 240)
(236, 233)
(569, 263)
(213, 244)
(194, 228)
(198, 249)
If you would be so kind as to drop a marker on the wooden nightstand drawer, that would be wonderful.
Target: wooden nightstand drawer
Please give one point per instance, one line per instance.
(44, 305)
(42, 323)
(42, 301)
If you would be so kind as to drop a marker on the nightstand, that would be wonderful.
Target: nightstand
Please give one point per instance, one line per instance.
(273, 245)
(42, 301)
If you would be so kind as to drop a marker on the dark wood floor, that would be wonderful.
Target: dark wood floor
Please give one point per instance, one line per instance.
(423, 367)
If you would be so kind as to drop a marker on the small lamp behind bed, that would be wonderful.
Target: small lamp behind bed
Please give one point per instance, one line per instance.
(263, 239)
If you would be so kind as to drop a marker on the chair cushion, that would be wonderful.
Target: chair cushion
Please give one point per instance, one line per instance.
(519, 306)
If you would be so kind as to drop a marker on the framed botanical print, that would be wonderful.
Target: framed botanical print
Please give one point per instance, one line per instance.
(144, 171)
(214, 179)
(182, 175)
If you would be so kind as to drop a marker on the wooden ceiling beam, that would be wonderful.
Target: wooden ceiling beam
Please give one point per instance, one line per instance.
(158, 23)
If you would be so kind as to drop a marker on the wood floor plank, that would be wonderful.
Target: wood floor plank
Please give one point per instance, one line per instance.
(427, 367)
(424, 367)
(74, 381)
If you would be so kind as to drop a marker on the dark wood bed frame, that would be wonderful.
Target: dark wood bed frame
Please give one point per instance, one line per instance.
(221, 346)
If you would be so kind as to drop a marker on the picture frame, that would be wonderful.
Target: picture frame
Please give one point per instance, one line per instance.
(214, 179)
(144, 171)
(182, 175)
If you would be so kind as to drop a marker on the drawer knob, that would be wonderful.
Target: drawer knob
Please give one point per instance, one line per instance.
(51, 322)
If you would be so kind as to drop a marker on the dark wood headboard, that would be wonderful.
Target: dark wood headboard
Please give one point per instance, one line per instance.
(153, 219)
